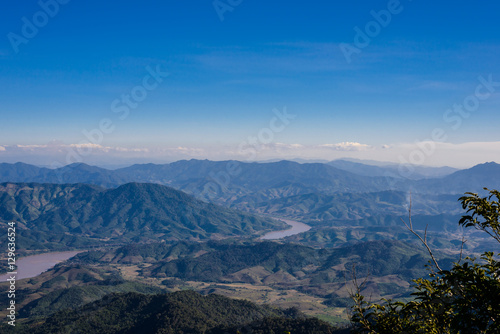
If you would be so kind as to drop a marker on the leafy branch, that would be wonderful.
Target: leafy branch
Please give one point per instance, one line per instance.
(485, 208)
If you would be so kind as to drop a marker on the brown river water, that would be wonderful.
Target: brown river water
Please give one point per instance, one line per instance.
(34, 265)
(296, 228)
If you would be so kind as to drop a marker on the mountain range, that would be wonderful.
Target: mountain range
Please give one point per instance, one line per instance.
(376, 168)
(194, 225)
(98, 205)
(72, 214)
(233, 182)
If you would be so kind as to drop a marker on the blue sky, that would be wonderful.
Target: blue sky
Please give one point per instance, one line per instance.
(225, 78)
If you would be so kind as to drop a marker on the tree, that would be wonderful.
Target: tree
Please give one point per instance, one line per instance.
(464, 299)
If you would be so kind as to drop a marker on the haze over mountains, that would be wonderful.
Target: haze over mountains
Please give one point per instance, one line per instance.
(231, 180)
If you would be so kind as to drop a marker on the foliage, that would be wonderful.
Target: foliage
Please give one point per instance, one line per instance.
(485, 208)
(279, 326)
(172, 313)
(464, 299)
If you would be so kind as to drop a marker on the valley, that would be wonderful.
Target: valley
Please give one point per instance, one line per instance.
(283, 234)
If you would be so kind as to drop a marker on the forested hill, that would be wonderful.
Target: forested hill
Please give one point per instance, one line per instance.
(180, 312)
(131, 212)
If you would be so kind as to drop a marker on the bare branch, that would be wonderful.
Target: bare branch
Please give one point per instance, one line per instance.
(409, 226)
(361, 307)
(462, 248)
(357, 287)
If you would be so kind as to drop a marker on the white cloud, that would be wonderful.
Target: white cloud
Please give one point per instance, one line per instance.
(2, 148)
(283, 146)
(347, 146)
(128, 149)
(87, 145)
(29, 147)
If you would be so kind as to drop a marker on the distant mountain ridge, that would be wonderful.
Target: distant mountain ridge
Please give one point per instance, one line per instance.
(233, 182)
(74, 173)
(371, 168)
(211, 180)
(472, 180)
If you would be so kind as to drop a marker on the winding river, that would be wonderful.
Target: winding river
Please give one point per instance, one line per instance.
(296, 228)
(34, 265)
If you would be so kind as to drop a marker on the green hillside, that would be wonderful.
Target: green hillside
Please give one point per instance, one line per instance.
(78, 215)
